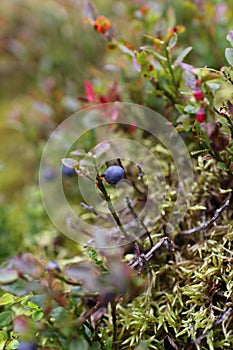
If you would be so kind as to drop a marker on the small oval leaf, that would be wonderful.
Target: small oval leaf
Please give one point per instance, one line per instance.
(173, 41)
(6, 299)
(70, 162)
(229, 55)
(101, 148)
(183, 54)
(8, 275)
(5, 318)
(229, 37)
(78, 153)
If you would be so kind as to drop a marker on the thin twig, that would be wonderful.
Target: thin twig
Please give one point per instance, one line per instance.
(111, 208)
(228, 118)
(90, 208)
(90, 312)
(140, 221)
(149, 254)
(114, 325)
(207, 223)
(141, 177)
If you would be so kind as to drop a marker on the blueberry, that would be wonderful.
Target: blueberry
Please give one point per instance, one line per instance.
(27, 346)
(52, 265)
(67, 172)
(114, 174)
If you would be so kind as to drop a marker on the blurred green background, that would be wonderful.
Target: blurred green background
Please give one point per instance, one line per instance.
(47, 52)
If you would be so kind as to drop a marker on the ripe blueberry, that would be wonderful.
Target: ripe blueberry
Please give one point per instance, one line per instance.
(27, 346)
(114, 174)
(67, 172)
(51, 266)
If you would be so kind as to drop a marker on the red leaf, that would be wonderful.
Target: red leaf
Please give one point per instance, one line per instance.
(89, 91)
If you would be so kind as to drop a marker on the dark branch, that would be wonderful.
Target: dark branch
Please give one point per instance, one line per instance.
(207, 223)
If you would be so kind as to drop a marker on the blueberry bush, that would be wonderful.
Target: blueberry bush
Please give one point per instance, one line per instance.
(159, 290)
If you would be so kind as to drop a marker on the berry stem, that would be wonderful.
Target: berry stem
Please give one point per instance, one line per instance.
(170, 69)
(111, 208)
(140, 221)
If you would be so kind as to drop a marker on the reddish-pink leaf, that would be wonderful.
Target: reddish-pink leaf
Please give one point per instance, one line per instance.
(89, 91)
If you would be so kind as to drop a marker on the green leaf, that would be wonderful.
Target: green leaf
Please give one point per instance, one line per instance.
(8, 275)
(3, 336)
(126, 50)
(2, 345)
(32, 305)
(60, 315)
(155, 40)
(79, 344)
(96, 346)
(70, 162)
(157, 55)
(186, 125)
(222, 166)
(142, 346)
(101, 148)
(20, 286)
(78, 153)
(213, 86)
(5, 318)
(6, 299)
(229, 55)
(39, 300)
(13, 344)
(141, 58)
(180, 108)
(197, 207)
(109, 343)
(37, 315)
(189, 109)
(173, 41)
(183, 54)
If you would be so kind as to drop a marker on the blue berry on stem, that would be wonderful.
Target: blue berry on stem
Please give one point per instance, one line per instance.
(114, 174)
(51, 266)
(67, 172)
